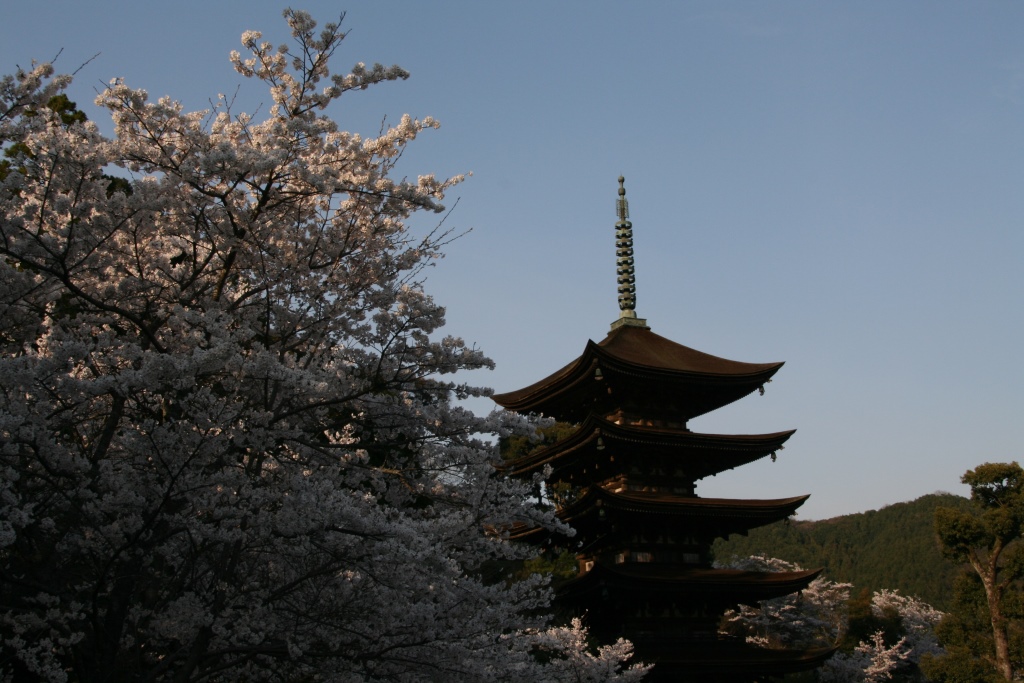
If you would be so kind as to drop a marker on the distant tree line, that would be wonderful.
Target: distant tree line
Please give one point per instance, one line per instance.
(891, 548)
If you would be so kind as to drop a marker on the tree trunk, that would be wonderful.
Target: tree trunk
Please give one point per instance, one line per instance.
(999, 633)
(988, 572)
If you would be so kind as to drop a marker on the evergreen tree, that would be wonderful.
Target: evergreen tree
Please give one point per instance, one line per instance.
(988, 539)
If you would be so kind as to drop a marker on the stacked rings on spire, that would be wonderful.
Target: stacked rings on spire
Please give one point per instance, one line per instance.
(624, 252)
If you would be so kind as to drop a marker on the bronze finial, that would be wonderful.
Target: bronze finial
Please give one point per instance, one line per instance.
(622, 206)
(624, 263)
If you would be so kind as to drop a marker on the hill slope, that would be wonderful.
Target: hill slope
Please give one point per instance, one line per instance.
(893, 547)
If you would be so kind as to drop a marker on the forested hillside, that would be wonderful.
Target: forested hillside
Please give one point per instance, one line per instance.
(894, 547)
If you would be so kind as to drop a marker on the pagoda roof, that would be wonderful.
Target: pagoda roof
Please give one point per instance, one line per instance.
(717, 585)
(749, 512)
(721, 660)
(637, 359)
(702, 455)
(723, 516)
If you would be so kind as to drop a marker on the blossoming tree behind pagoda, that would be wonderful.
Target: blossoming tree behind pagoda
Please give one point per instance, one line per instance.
(626, 480)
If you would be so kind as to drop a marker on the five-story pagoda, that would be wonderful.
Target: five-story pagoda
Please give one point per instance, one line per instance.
(625, 480)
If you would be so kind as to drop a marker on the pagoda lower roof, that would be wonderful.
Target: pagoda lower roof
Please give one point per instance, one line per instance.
(722, 660)
(735, 586)
(637, 361)
(598, 439)
(721, 516)
(758, 512)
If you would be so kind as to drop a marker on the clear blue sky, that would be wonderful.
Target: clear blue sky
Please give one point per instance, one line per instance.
(835, 185)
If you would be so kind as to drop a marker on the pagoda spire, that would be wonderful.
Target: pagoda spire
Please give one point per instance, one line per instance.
(624, 267)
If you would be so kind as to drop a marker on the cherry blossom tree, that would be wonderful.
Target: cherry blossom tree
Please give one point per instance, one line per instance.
(819, 616)
(231, 447)
(884, 657)
(871, 661)
(811, 618)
